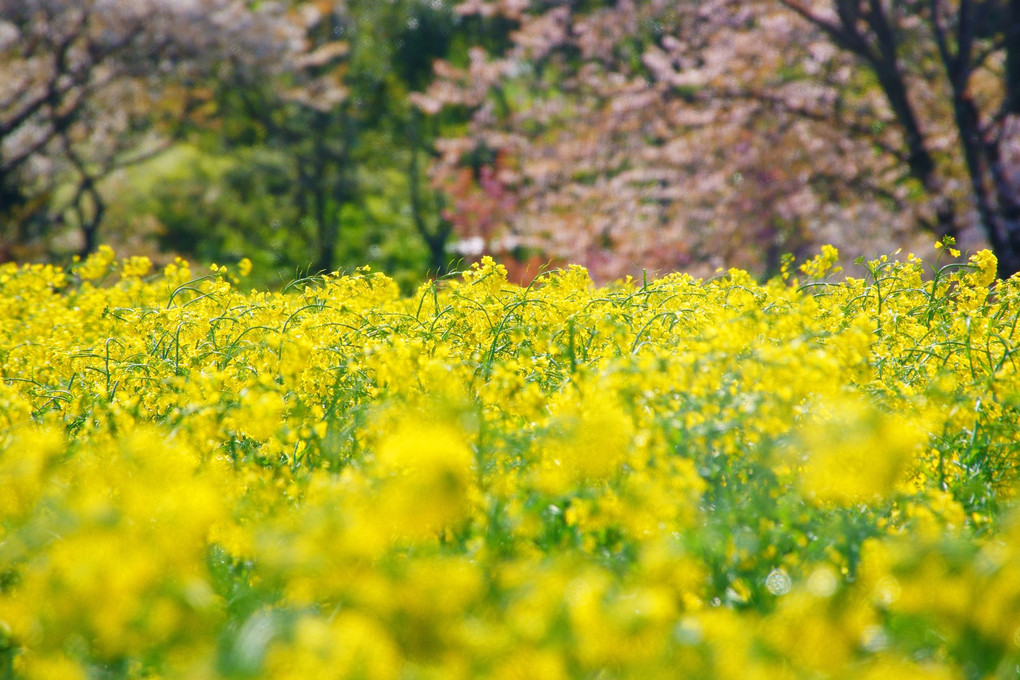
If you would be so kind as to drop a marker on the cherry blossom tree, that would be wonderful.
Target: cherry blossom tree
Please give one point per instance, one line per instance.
(969, 57)
(686, 135)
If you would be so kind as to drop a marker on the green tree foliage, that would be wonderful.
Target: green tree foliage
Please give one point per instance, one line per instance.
(345, 137)
(304, 152)
(88, 87)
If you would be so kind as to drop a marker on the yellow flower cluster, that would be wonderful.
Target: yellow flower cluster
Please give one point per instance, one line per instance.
(673, 478)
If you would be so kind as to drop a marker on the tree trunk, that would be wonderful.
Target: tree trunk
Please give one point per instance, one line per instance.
(886, 67)
(328, 232)
(327, 221)
(993, 187)
(88, 220)
(1012, 42)
(435, 239)
(1006, 181)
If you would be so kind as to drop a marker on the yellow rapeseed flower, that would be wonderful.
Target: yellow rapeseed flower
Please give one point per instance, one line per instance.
(854, 453)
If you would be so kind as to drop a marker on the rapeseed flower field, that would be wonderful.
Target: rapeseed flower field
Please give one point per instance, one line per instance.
(674, 478)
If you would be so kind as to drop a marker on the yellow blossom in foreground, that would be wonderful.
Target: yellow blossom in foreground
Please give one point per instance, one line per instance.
(425, 472)
(721, 479)
(345, 647)
(594, 436)
(854, 453)
(985, 263)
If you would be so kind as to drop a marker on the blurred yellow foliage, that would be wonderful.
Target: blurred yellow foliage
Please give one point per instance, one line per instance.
(721, 479)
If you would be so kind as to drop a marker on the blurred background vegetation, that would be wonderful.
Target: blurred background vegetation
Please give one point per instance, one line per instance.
(413, 135)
